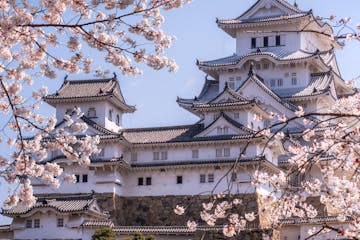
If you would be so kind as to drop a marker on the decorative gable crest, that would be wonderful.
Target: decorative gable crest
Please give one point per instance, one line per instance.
(269, 8)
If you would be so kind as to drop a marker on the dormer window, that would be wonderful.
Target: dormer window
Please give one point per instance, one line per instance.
(266, 41)
(110, 115)
(278, 40)
(117, 119)
(91, 112)
(231, 83)
(293, 79)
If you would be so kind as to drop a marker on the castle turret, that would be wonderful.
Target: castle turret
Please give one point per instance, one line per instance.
(100, 100)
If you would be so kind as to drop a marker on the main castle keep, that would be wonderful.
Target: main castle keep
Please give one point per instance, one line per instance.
(283, 59)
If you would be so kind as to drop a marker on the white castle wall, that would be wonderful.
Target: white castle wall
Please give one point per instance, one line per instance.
(102, 113)
(48, 228)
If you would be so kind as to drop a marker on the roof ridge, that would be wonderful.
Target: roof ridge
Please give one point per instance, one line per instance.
(93, 80)
(160, 128)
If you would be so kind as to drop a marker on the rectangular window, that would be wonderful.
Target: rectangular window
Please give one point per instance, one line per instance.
(226, 152)
(253, 42)
(148, 181)
(195, 153)
(280, 82)
(36, 223)
(77, 176)
(134, 156)
(60, 222)
(210, 178)
(236, 115)
(218, 152)
(266, 41)
(238, 78)
(85, 178)
(156, 155)
(91, 112)
(219, 131)
(179, 180)
(258, 66)
(266, 66)
(293, 79)
(233, 177)
(118, 120)
(225, 130)
(278, 40)
(140, 181)
(110, 115)
(164, 155)
(231, 85)
(28, 223)
(202, 178)
(272, 82)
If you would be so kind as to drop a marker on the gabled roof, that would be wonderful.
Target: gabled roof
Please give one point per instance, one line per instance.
(231, 122)
(259, 82)
(90, 90)
(176, 134)
(213, 100)
(320, 83)
(277, 53)
(61, 204)
(283, 5)
(91, 124)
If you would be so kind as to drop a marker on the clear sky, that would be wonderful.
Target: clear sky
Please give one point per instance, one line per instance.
(198, 37)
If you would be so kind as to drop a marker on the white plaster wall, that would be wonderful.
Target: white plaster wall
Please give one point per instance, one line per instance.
(102, 112)
(312, 42)
(164, 182)
(107, 182)
(273, 72)
(48, 228)
(291, 41)
(185, 154)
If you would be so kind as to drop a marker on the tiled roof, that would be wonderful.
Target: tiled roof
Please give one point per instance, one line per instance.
(162, 134)
(162, 229)
(258, 80)
(262, 19)
(92, 89)
(98, 223)
(65, 204)
(210, 91)
(317, 220)
(291, 12)
(197, 162)
(175, 134)
(200, 102)
(319, 83)
(277, 53)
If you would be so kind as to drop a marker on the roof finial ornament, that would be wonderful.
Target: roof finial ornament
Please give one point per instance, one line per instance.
(226, 85)
(251, 70)
(295, 4)
(114, 77)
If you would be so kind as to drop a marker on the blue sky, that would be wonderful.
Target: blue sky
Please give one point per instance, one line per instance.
(198, 37)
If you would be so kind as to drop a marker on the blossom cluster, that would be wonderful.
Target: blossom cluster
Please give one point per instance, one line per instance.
(40, 38)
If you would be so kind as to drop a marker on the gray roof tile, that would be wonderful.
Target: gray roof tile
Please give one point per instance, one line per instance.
(66, 204)
(76, 90)
(277, 53)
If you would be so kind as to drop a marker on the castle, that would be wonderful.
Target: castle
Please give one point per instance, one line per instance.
(284, 59)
